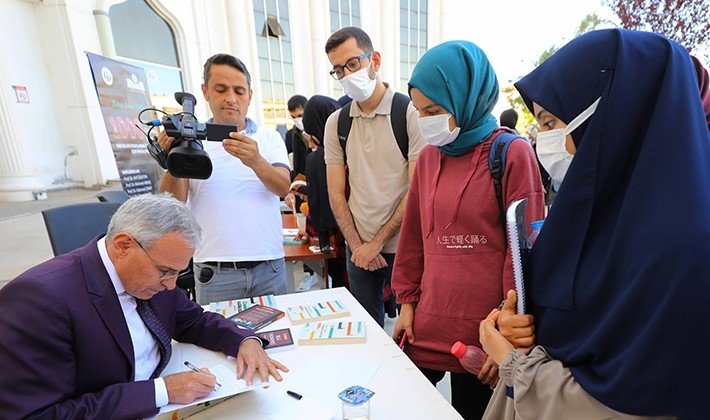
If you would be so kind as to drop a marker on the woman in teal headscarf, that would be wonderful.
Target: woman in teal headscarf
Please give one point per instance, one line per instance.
(452, 264)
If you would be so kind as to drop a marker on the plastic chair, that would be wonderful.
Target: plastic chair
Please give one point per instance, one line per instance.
(73, 226)
(113, 196)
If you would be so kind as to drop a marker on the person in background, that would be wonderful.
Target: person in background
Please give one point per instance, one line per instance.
(620, 265)
(378, 176)
(453, 261)
(509, 118)
(238, 206)
(79, 334)
(320, 215)
(532, 130)
(295, 142)
(704, 86)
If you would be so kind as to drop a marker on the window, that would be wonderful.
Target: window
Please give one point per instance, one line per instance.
(152, 47)
(343, 13)
(275, 60)
(412, 36)
(272, 27)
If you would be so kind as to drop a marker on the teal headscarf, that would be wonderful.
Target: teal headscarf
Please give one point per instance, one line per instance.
(458, 77)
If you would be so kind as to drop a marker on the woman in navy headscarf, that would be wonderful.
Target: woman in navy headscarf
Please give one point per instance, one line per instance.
(619, 279)
(320, 215)
(452, 262)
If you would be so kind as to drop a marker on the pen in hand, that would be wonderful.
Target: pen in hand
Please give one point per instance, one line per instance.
(196, 369)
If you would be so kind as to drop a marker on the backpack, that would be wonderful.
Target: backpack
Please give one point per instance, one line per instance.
(496, 164)
(398, 122)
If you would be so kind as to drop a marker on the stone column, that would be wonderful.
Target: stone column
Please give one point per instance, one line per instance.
(17, 179)
(103, 27)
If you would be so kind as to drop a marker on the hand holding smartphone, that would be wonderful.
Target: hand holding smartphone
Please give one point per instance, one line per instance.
(219, 132)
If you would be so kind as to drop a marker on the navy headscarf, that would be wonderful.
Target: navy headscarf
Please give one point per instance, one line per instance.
(315, 114)
(619, 278)
(457, 76)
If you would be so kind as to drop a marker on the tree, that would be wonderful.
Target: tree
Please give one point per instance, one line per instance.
(589, 23)
(686, 22)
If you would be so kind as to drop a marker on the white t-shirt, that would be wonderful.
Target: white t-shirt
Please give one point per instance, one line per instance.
(239, 216)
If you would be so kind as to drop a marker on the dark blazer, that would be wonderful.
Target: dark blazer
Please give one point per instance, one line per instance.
(65, 349)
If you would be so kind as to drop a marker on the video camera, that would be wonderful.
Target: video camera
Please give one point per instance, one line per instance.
(187, 157)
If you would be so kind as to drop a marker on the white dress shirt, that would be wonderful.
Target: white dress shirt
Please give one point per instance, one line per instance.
(146, 350)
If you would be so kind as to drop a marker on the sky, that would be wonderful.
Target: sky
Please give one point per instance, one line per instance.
(514, 33)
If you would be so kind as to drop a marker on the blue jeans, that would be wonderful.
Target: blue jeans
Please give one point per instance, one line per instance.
(214, 284)
(367, 286)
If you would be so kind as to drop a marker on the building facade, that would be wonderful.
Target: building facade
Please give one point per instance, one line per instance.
(52, 132)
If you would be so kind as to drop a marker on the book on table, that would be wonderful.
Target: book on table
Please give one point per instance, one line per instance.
(332, 332)
(230, 307)
(257, 317)
(277, 338)
(319, 311)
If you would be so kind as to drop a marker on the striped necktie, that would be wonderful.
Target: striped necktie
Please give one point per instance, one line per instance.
(156, 328)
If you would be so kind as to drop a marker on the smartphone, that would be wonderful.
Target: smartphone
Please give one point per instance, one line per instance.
(219, 132)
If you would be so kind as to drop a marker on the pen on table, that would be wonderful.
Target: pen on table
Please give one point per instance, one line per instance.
(295, 395)
(403, 340)
(196, 369)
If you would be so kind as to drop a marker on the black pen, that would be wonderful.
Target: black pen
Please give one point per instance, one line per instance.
(295, 395)
(196, 369)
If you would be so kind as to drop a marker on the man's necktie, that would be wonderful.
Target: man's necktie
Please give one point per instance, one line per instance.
(156, 328)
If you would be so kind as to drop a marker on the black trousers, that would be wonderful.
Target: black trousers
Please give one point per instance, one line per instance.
(469, 396)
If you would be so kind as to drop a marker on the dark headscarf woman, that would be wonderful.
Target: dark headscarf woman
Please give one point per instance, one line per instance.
(618, 279)
(320, 215)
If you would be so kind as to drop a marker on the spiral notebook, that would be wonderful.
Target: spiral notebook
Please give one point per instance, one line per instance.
(519, 246)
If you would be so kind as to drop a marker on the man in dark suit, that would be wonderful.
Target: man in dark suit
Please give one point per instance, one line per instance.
(74, 342)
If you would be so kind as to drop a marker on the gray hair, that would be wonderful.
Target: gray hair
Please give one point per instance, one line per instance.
(148, 217)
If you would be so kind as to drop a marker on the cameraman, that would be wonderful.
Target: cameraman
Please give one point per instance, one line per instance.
(237, 207)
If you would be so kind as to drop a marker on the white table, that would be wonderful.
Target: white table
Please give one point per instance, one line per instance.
(320, 372)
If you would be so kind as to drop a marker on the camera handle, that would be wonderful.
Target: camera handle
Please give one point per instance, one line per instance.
(157, 152)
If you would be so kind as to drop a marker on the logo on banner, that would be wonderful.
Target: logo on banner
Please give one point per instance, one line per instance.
(107, 76)
(134, 83)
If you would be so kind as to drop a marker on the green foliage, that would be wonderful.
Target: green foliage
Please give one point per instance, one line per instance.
(589, 23)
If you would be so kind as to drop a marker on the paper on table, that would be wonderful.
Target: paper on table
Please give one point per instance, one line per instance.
(230, 386)
(290, 231)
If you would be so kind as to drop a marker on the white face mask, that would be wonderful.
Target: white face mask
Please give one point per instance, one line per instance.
(359, 85)
(551, 146)
(435, 130)
(298, 122)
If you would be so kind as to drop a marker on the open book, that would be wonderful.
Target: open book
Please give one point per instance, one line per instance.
(519, 246)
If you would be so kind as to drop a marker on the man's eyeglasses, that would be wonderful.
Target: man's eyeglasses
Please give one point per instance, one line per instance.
(165, 273)
(352, 65)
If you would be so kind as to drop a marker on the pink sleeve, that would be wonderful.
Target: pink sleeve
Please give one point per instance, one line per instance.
(409, 258)
(521, 180)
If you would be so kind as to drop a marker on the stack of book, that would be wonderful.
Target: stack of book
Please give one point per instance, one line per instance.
(332, 332)
(320, 311)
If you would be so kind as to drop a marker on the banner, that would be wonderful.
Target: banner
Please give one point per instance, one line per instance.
(123, 92)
